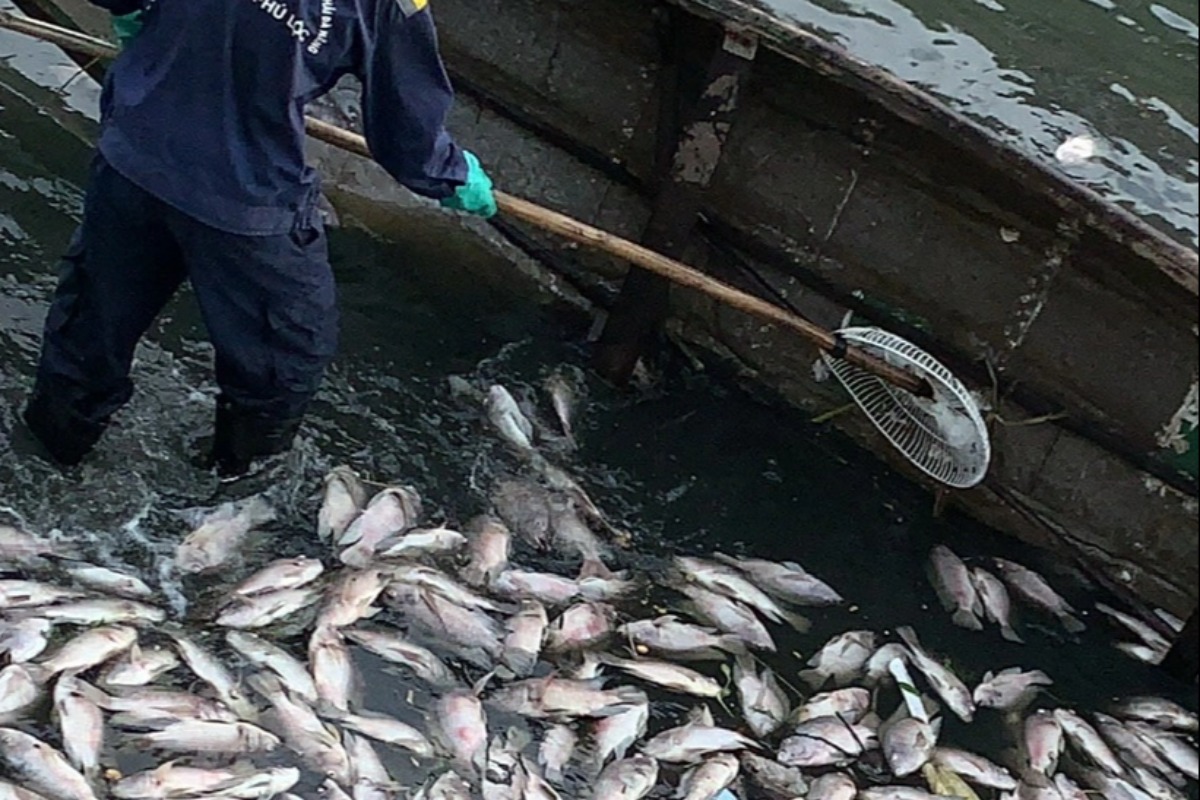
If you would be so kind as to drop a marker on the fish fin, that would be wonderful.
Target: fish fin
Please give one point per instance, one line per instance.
(732, 644)
(909, 637)
(478, 687)
(798, 622)
(815, 678)
(39, 674)
(595, 568)
(965, 618)
(1072, 623)
(1011, 635)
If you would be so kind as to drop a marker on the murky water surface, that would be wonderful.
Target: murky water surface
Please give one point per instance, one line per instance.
(692, 466)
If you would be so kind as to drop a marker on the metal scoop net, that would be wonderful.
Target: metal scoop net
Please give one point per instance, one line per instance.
(945, 436)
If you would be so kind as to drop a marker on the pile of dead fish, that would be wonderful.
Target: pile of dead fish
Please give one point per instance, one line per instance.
(263, 696)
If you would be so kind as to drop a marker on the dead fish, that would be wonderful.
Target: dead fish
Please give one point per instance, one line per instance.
(17, 546)
(536, 786)
(1142, 652)
(318, 744)
(996, 602)
(81, 722)
(1043, 742)
(526, 634)
(628, 779)
(197, 736)
(826, 742)
(352, 597)
(851, 704)
(556, 748)
(507, 417)
(386, 729)
(668, 634)
(878, 666)
(447, 786)
(291, 671)
(398, 650)
(101, 611)
(471, 633)
(706, 780)
(778, 781)
(19, 690)
(392, 510)
(1177, 752)
(109, 581)
(612, 736)
(420, 542)
(342, 500)
(170, 780)
(1009, 688)
(582, 626)
(841, 659)
(87, 650)
(764, 705)
(564, 399)
(974, 768)
(1088, 741)
(691, 742)
(667, 675)
(832, 786)
(261, 610)
(952, 580)
(461, 727)
(23, 640)
(896, 793)
(725, 580)
(16, 593)
(220, 534)
(41, 768)
(571, 534)
(551, 589)
(944, 682)
(141, 704)
(1157, 711)
(503, 778)
(212, 671)
(332, 668)
(525, 509)
(787, 581)
(372, 781)
(908, 744)
(1034, 589)
(1109, 786)
(138, 667)
(558, 698)
(1148, 635)
(728, 616)
(489, 544)
(283, 573)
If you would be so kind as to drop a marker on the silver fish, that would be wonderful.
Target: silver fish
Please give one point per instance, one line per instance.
(571, 534)
(352, 597)
(952, 580)
(724, 580)
(1177, 752)
(1155, 786)
(17, 593)
(372, 781)
(851, 704)
(443, 584)
(506, 416)
(102, 611)
(826, 742)
(88, 649)
(23, 640)
(526, 634)
(138, 667)
(461, 728)
(878, 667)
(1043, 742)
(332, 668)
(469, 632)
(389, 730)
(1009, 688)
(503, 778)
(210, 670)
(283, 573)
(841, 659)
(668, 634)
(582, 626)
(728, 616)
(974, 768)
(447, 786)
(262, 610)
(525, 509)
(1148, 635)
(612, 736)
(1142, 652)
(172, 780)
(421, 541)
(787, 581)
(259, 784)
(144, 704)
(393, 510)
(489, 546)
(558, 698)
(318, 744)
(1131, 747)
(343, 499)
(778, 781)
(81, 722)
(266, 655)
(628, 779)
(895, 793)
(553, 590)
(764, 705)
(948, 686)
(1034, 589)
(19, 690)
(199, 736)
(398, 650)
(689, 743)
(110, 581)
(1158, 711)
(556, 748)
(706, 780)
(670, 676)
(833, 786)
(18, 546)
(1088, 741)
(908, 744)
(996, 602)
(563, 398)
(41, 768)
(1109, 786)
(220, 534)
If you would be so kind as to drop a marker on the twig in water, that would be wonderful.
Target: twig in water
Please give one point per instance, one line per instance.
(828, 415)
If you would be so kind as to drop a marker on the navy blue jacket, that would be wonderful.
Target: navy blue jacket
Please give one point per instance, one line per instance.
(204, 108)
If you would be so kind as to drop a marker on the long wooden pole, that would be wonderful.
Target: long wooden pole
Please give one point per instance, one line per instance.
(554, 222)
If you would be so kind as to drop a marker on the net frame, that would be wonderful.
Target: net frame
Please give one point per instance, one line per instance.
(906, 420)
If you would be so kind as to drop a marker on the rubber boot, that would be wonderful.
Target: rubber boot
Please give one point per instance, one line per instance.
(64, 436)
(240, 438)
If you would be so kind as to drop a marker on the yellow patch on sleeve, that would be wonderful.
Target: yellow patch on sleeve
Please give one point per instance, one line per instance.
(410, 7)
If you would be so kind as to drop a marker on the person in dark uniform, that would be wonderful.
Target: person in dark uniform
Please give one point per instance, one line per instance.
(200, 175)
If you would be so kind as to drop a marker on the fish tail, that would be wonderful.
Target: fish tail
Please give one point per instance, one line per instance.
(965, 618)
(595, 568)
(732, 644)
(1072, 623)
(815, 678)
(799, 622)
(1011, 635)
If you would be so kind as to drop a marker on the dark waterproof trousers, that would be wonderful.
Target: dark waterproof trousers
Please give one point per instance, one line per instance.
(268, 303)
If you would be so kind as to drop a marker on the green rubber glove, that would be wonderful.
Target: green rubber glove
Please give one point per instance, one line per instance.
(475, 196)
(127, 26)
